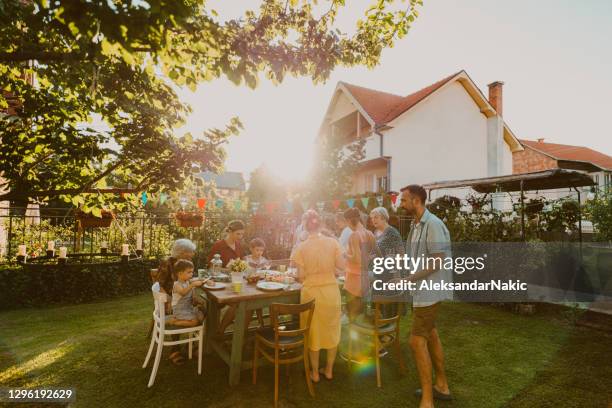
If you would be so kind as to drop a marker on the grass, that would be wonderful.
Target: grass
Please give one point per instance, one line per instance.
(494, 359)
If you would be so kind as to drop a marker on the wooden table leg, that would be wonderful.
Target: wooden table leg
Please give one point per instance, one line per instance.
(237, 343)
(212, 324)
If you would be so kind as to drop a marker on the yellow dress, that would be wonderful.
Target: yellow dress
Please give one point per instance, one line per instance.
(317, 257)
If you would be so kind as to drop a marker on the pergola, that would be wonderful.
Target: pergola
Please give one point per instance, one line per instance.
(539, 180)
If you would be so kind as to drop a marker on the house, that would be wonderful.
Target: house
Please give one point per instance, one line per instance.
(230, 184)
(539, 155)
(447, 130)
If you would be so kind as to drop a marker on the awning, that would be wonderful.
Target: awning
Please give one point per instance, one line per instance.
(540, 180)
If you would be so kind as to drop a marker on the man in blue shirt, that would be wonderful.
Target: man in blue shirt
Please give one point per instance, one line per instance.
(428, 238)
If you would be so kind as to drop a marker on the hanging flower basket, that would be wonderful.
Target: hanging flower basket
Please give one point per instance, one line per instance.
(91, 221)
(189, 219)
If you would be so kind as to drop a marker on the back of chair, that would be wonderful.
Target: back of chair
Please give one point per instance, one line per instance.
(379, 320)
(160, 299)
(279, 309)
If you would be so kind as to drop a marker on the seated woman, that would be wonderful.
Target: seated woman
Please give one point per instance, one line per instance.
(184, 304)
(228, 248)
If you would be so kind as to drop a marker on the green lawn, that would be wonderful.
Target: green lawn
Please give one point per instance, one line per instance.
(494, 359)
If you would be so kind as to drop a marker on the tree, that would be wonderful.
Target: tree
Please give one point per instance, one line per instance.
(336, 163)
(599, 211)
(263, 187)
(120, 61)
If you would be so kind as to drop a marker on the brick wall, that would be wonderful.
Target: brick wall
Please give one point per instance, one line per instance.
(530, 160)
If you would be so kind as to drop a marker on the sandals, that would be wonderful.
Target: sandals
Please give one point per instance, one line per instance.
(177, 358)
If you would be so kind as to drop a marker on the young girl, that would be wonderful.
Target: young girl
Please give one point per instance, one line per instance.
(256, 259)
(183, 302)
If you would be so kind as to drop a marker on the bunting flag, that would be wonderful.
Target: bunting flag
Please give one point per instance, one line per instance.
(271, 206)
(219, 203)
(162, 198)
(201, 203)
(350, 202)
(379, 200)
(336, 204)
(143, 198)
(365, 201)
(237, 205)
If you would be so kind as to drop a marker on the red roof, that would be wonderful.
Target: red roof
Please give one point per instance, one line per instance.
(383, 107)
(568, 152)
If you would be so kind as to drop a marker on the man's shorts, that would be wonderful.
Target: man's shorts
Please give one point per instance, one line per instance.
(424, 320)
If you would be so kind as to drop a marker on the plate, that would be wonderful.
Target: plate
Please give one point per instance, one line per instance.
(270, 286)
(218, 286)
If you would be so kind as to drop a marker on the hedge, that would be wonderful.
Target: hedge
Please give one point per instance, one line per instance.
(39, 285)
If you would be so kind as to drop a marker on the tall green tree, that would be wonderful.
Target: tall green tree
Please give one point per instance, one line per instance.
(336, 162)
(264, 187)
(120, 61)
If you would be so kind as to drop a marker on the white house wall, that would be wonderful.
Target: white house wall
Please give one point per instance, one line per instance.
(372, 147)
(441, 138)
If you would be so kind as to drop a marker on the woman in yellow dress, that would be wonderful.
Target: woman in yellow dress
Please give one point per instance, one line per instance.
(317, 259)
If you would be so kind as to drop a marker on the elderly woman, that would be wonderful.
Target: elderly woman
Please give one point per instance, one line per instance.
(181, 249)
(389, 243)
(317, 259)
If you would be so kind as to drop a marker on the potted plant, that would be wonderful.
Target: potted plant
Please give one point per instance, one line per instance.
(90, 220)
(189, 219)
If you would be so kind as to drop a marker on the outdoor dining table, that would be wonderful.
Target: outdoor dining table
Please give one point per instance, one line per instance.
(250, 298)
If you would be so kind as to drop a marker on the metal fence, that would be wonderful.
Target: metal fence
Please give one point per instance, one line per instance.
(156, 231)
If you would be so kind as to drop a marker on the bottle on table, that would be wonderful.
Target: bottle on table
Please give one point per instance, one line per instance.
(216, 265)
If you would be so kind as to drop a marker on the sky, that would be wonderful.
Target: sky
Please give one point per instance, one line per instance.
(554, 56)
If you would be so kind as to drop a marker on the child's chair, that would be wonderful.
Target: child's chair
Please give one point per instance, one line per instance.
(194, 334)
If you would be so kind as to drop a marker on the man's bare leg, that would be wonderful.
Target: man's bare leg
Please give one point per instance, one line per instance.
(437, 357)
(418, 344)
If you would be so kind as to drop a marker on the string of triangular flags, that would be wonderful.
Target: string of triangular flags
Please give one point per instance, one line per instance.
(271, 206)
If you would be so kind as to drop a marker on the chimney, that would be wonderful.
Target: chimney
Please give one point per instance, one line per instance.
(495, 96)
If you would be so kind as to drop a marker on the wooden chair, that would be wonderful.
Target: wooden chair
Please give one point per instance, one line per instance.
(384, 332)
(282, 346)
(160, 331)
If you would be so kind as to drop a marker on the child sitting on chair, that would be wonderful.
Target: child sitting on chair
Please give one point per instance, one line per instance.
(184, 308)
(256, 259)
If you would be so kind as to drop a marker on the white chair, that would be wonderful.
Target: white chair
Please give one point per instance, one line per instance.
(160, 332)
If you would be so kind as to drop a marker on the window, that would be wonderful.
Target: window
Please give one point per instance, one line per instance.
(381, 186)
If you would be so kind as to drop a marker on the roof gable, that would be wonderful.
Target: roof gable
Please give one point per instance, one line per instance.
(377, 104)
(383, 107)
(573, 153)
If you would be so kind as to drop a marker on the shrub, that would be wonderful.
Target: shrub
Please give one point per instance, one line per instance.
(38, 285)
